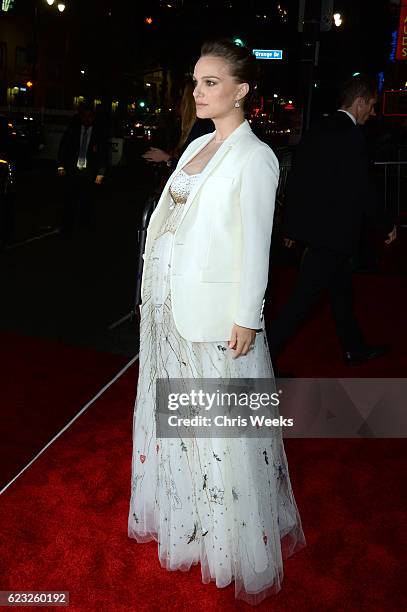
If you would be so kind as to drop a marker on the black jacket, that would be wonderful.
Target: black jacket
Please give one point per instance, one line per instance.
(97, 154)
(329, 190)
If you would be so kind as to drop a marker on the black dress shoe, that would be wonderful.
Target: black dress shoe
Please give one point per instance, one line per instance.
(364, 354)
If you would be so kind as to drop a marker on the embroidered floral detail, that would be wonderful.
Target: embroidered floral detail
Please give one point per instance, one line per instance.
(142, 458)
(216, 457)
(183, 446)
(266, 459)
(234, 493)
(192, 537)
(205, 481)
(217, 495)
(157, 447)
(264, 537)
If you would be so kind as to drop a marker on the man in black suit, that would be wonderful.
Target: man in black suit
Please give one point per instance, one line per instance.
(82, 162)
(329, 194)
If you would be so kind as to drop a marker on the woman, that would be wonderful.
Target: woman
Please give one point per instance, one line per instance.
(191, 128)
(226, 503)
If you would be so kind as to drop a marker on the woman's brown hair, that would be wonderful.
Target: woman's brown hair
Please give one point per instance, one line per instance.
(188, 114)
(242, 63)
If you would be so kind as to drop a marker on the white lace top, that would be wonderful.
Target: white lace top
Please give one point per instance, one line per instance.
(180, 188)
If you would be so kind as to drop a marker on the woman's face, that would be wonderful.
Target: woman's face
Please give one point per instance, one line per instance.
(216, 91)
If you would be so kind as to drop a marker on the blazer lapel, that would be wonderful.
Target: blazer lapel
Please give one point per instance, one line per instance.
(165, 193)
(159, 212)
(196, 151)
(210, 166)
(213, 162)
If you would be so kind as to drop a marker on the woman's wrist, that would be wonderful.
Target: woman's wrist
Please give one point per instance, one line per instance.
(171, 162)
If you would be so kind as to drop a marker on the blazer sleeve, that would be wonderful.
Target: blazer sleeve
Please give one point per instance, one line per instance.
(257, 201)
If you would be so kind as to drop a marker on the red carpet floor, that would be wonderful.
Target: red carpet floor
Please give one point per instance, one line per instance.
(381, 309)
(64, 525)
(64, 521)
(43, 385)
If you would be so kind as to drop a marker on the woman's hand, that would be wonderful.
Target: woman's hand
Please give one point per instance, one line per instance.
(242, 339)
(156, 155)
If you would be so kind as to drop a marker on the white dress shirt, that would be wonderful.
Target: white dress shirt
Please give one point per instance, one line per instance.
(342, 110)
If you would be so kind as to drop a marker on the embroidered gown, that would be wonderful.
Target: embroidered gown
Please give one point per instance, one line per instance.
(225, 503)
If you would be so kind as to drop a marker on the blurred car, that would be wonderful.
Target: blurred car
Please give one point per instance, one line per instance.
(132, 129)
(7, 184)
(142, 128)
(26, 133)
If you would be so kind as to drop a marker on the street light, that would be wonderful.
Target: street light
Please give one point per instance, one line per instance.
(338, 19)
(50, 2)
(61, 7)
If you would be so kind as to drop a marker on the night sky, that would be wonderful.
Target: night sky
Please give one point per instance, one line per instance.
(115, 42)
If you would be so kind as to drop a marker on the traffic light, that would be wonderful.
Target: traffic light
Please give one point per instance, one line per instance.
(29, 84)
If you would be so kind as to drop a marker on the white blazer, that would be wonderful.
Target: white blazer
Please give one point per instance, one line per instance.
(220, 255)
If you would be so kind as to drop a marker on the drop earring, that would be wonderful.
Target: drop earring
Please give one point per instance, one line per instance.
(237, 105)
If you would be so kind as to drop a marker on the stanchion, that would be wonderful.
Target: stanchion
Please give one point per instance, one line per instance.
(141, 240)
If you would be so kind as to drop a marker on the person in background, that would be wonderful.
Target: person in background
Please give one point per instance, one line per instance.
(82, 162)
(191, 128)
(329, 195)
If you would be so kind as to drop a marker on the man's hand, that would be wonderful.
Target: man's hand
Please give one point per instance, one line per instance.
(61, 172)
(241, 340)
(392, 235)
(156, 155)
(289, 243)
(99, 179)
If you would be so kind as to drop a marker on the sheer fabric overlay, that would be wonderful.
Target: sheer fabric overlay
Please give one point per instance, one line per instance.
(225, 503)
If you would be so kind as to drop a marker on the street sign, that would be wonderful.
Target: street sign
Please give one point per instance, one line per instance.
(276, 54)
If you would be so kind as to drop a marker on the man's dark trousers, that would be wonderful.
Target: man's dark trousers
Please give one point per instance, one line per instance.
(321, 269)
(79, 189)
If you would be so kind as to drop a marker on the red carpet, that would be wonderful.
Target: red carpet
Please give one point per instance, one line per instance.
(64, 521)
(381, 309)
(44, 384)
(64, 525)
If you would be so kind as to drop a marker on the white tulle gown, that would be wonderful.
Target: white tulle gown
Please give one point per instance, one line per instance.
(226, 503)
